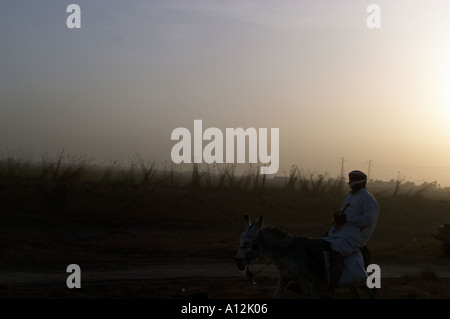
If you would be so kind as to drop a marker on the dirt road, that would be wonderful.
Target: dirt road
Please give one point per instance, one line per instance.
(180, 272)
(169, 281)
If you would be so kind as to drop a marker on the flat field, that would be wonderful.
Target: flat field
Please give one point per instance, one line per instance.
(158, 242)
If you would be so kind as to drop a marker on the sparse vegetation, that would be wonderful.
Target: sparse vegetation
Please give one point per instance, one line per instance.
(140, 171)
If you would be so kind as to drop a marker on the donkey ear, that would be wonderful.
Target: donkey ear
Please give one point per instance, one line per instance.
(259, 221)
(247, 221)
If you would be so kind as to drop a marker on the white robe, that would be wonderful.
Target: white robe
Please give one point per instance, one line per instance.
(362, 217)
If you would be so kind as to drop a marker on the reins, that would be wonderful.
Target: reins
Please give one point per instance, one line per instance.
(252, 275)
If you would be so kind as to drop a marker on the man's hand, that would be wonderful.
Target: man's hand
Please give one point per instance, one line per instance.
(340, 219)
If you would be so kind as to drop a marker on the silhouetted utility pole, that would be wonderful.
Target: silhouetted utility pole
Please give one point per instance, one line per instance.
(341, 177)
(368, 171)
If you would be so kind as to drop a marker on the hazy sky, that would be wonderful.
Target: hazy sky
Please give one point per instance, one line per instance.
(136, 70)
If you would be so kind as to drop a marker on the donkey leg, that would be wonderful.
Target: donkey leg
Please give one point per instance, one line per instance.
(311, 290)
(371, 292)
(314, 292)
(354, 292)
(282, 283)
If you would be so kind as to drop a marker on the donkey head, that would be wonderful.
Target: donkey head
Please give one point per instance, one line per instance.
(248, 250)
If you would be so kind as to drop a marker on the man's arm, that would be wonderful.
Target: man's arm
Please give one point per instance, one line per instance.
(369, 214)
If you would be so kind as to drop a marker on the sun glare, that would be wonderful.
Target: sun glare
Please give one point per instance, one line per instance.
(446, 87)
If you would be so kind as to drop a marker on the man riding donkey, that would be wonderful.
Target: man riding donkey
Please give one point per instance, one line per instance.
(353, 226)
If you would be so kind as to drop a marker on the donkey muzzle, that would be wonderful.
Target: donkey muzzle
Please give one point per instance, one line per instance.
(241, 264)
